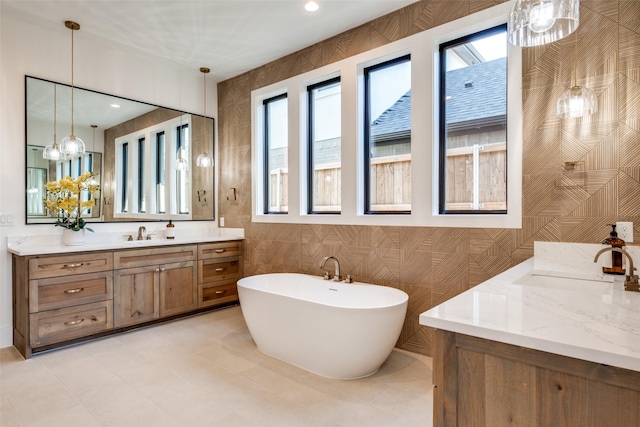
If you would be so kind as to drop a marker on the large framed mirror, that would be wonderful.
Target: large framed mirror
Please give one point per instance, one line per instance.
(144, 156)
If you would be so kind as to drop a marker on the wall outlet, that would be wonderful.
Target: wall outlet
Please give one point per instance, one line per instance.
(221, 221)
(625, 231)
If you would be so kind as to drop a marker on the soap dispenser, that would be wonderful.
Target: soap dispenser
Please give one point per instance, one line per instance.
(171, 231)
(616, 257)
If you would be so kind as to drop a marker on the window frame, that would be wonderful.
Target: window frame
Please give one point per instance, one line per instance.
(367, 137)
(265, 148)
(310, 141)
(442, 131)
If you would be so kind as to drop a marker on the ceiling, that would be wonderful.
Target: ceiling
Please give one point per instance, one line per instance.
(228, 36)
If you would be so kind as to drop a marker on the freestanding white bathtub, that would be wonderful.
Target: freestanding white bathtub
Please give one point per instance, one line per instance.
(337, 330)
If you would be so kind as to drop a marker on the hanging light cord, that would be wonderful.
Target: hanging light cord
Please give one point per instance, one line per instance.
(55, 116)
(575, 61)
(72, 128)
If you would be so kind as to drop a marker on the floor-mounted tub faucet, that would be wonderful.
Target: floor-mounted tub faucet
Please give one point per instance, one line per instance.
(631, 279)
(327, 276)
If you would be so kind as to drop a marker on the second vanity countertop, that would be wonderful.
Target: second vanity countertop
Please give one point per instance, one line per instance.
(52, 244)
(595, 322)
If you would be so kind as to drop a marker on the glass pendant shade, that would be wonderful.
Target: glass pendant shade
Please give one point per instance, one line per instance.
(577, 102)
(204, 160)
(52, 152)
(72, 145)
(538, 22)
(181, 164)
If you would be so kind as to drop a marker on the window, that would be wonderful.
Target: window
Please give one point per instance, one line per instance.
(473, 123)
(154, 176)
(387, 109)
(324, 120)
(183, 194)
(160, 159)
(124, 177)
(142, 201)
(276, 179)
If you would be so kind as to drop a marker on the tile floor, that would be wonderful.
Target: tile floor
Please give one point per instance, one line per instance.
(202, 371)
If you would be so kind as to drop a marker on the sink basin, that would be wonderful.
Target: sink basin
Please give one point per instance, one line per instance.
(566, 281)
(144, 242)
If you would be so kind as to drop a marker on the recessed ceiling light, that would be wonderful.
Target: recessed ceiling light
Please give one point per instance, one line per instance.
(311, 6)
(115, 106)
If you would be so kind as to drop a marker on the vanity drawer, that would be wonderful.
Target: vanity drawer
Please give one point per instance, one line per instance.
(49, 327)
(154, 256)
(65, 265)
(217, 293)
(58, 292)
(211, 270)
(219, 250)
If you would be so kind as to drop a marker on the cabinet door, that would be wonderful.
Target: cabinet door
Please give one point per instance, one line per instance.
(135, 295)
(178, 288)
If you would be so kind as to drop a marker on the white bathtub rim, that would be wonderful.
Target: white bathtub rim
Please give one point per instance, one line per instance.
(403, 297)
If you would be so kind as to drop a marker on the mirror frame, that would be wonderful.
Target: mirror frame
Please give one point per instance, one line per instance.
(208, 178)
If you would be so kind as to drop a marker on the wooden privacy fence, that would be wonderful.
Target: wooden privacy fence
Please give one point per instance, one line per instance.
(476, 177)
(472, 180)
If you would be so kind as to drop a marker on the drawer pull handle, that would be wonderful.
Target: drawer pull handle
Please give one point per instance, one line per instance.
(74, 322)
(80, 264)
(220, 292)
(73, 291)
(220, 269)
(220, 251)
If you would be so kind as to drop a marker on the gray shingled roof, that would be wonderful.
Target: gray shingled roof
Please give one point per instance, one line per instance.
(467, 105)
(478, 102)
(395, 120)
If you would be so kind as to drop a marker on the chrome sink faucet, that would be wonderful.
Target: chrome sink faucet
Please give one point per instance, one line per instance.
(631, 279)
(141, 229)
(327, 276)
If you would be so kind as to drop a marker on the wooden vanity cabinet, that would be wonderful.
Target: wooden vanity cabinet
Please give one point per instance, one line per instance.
(479, 382)
(62, 299)
(153, 285)
(219, 268)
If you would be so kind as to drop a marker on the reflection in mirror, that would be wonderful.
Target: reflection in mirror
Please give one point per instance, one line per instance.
(144, 155)
(41, 171)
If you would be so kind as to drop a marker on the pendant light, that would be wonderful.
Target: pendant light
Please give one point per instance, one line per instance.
(204, 160)
(577, 101)
(538, 22)
(33, 189)
(52, 152)
(72, 145)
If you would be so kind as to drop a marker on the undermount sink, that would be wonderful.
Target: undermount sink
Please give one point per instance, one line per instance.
(144, 242)
(566, 281)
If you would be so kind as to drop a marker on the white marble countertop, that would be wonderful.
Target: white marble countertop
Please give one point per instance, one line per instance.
(598, 322)
(52, 244)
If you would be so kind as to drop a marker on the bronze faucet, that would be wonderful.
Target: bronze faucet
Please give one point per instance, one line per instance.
(631, 279)
(327, 276)
(141, 229)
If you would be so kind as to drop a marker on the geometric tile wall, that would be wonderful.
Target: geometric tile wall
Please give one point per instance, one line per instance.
(559, 203)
